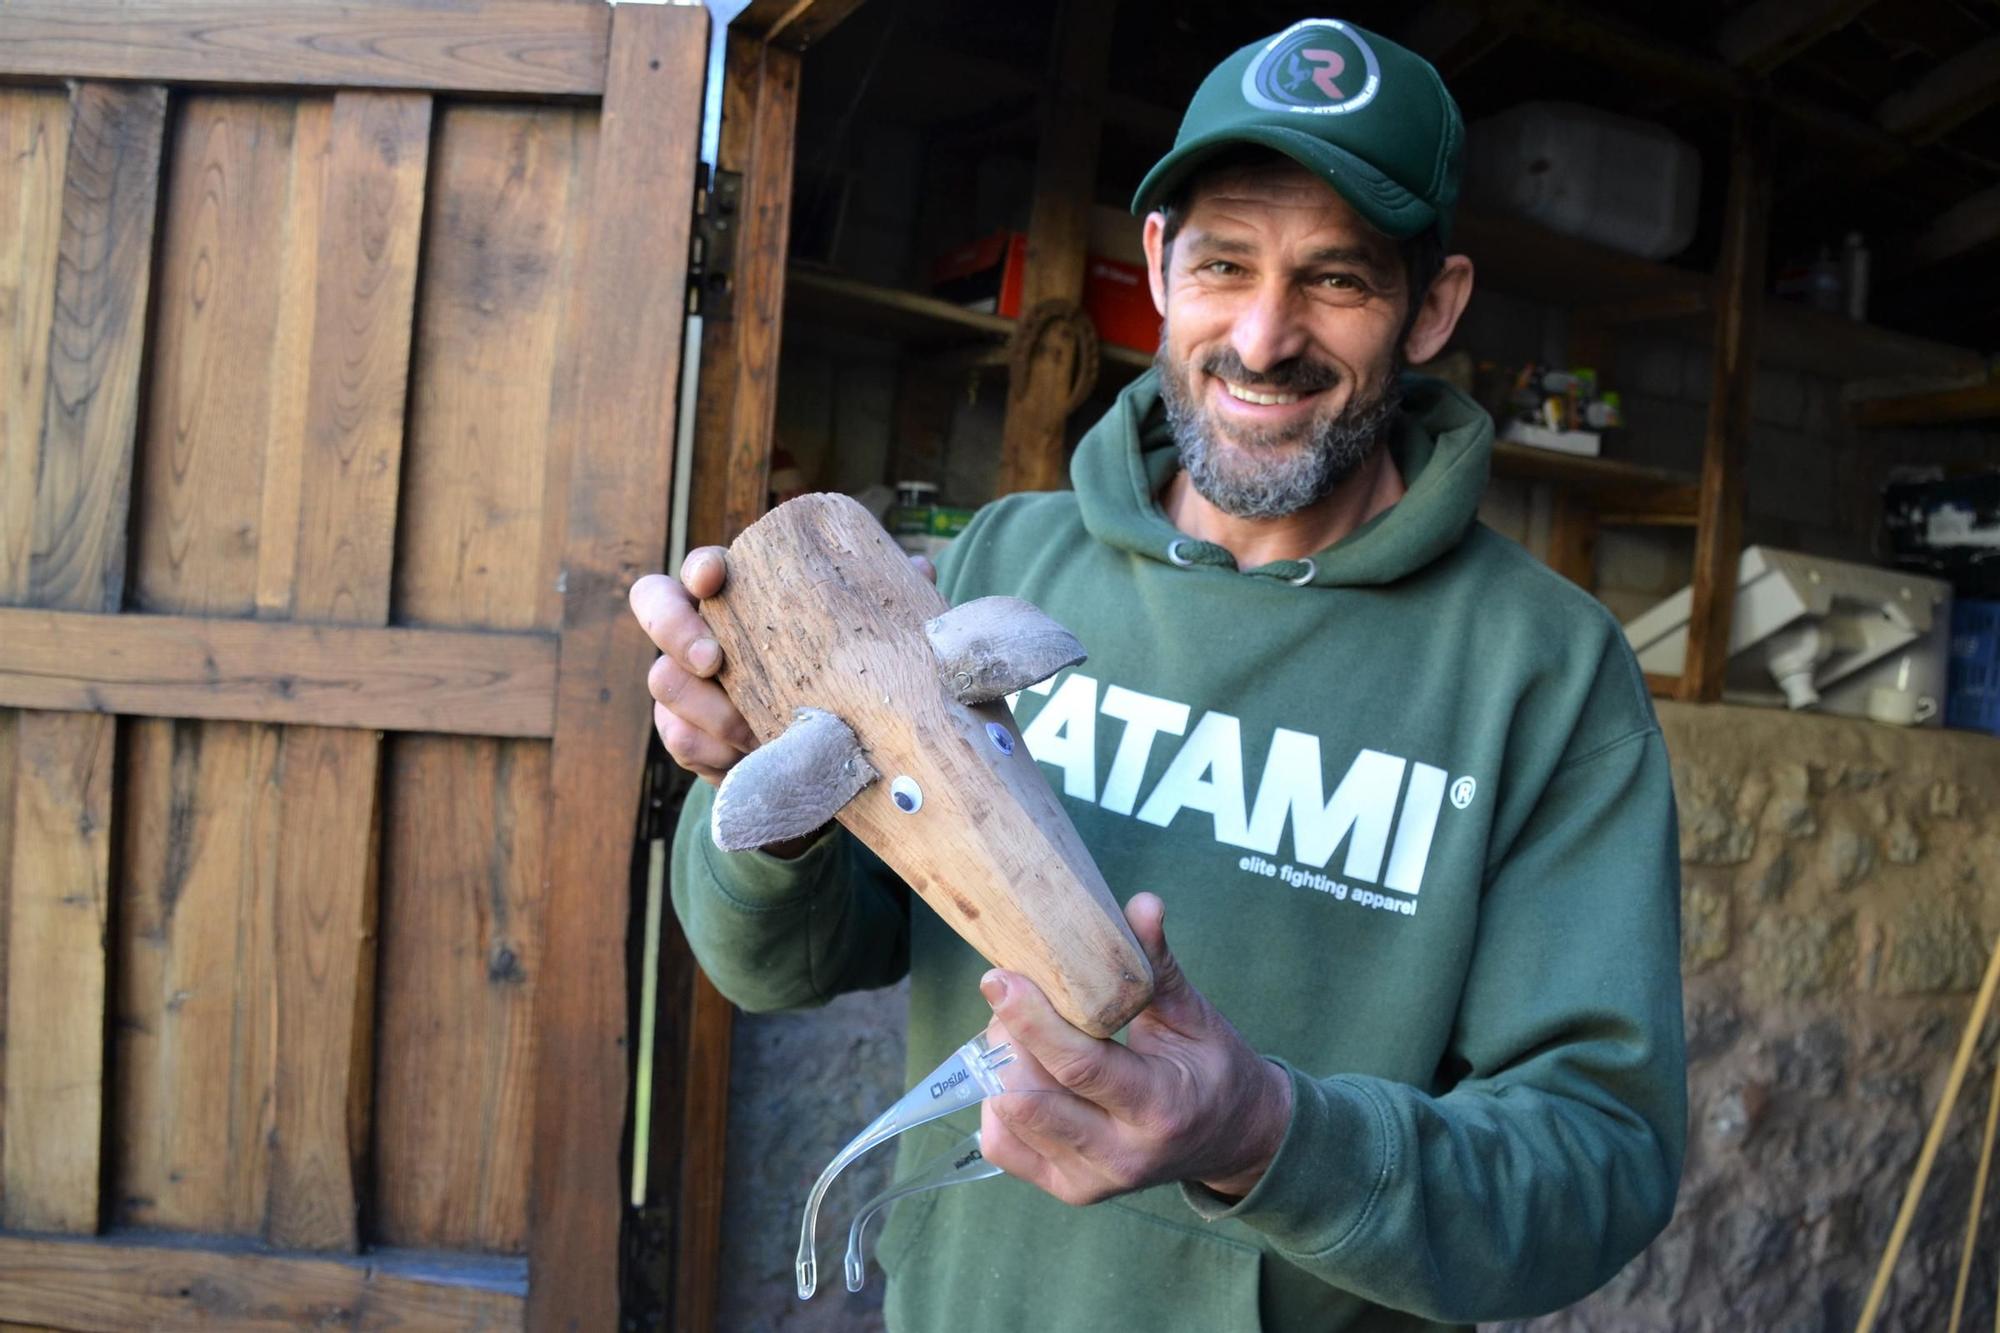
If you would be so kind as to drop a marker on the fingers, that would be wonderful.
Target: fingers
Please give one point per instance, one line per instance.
(1175, 1002)
(699, 753)
(699, 703)
(667, 611)
(704, 571)
(697, 723)
(922, 564)
(1102, 1072)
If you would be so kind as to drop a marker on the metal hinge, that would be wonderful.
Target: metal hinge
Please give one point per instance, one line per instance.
(712, 265)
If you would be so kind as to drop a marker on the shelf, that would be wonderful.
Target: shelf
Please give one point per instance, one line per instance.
(1618, 491)
(912, 317)
(1527, 260)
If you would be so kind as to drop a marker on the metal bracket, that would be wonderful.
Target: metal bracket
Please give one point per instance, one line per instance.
(712, 266)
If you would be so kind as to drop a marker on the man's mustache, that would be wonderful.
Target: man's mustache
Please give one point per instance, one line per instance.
(1297, 375)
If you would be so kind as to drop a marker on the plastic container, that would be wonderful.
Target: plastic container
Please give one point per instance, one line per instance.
(1972, 695)
(1622, 183)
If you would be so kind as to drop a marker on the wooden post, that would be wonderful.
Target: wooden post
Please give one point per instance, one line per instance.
(1031, 441)
(1740, 298)
(737, 405)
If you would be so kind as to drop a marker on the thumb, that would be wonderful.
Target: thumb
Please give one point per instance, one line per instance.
(1175, 1002)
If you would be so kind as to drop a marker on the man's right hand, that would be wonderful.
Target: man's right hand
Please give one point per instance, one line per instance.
(701, 729)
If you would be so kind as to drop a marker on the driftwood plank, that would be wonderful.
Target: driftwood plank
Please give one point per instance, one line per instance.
(527, 46)
(479, 544)
(364, 294)
(34, 141)
(132, 1285)
(56, 916)
(468, 682)
(631, 289)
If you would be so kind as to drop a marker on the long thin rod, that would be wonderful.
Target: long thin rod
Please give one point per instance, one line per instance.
(1967, 1043)
(1978, 1198)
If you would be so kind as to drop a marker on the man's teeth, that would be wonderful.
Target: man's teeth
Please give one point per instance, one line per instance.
(1237, 391)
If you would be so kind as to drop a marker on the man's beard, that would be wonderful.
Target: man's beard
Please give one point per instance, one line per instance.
(1274, 471)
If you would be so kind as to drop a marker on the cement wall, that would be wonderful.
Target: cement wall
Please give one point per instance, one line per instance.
(1842, 879)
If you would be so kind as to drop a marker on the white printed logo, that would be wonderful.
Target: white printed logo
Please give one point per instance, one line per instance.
(1462, 792)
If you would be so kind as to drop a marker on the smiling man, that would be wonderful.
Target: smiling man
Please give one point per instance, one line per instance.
(1415, 1057)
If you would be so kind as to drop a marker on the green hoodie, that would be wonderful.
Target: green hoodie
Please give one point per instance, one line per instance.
(1410, 812)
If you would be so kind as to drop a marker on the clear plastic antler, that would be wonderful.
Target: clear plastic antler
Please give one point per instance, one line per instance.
(966, 1079)
(961, 1166)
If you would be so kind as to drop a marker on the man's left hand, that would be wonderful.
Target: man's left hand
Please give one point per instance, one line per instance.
(1185, 1099)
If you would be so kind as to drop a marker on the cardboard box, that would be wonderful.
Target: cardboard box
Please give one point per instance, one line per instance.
(987, 275)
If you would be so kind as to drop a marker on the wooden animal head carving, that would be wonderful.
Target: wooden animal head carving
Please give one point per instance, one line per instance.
(876, 704)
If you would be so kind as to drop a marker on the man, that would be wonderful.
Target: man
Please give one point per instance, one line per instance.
(1399, 788)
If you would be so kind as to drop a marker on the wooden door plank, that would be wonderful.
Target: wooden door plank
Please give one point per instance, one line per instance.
(364, 295)
(57, 910)
(129, 1284)
(57, 906)
(465, 820)
(103, 267)
(466, 682)
(34, 143)
(632, 290)
(524, 46)
(737, 401)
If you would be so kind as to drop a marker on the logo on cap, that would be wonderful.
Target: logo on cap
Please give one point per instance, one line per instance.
(1316, 67)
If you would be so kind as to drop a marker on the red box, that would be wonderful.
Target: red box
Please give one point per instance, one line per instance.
(987, 275)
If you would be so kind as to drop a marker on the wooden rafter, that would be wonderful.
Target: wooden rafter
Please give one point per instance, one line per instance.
(1957, 90)
(1762, 36)
(791, 24)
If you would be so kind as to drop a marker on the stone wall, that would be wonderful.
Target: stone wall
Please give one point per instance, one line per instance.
(1842, 880)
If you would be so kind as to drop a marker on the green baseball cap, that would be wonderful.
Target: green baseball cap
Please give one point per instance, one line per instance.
(1370, 118)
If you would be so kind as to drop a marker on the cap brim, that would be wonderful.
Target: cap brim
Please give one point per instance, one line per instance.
(1386, 206)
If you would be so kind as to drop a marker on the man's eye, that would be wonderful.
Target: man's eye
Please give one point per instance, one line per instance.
(1221, 268)
(1346, 282)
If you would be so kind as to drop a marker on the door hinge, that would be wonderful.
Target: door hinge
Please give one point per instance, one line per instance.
(712, 266)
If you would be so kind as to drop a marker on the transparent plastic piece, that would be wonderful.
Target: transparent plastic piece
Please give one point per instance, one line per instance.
(961, 1166)
(969, 1077)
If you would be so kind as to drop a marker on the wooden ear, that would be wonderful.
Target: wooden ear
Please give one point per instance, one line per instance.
(989, 648)
(791, 785)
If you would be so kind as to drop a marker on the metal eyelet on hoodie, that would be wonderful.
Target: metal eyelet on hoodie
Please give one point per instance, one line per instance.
(1307, 577)
(1174, 552)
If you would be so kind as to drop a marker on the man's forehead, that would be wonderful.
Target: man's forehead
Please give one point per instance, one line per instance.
(1279, 184)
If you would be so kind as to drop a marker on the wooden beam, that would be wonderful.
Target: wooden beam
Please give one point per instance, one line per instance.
(1764, 35)
(1942, 100)
(136, 1283)
(1032, 436)
(704, 1142)
(59, 899)
(1573, 541)
(1967, 225)
(736, 408)
(464, 682)
(1973, 402)
(792, 25)
(630, 298)
(499, 46)
(1740, 286)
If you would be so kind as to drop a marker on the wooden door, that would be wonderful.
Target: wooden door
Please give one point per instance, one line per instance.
(338, 358)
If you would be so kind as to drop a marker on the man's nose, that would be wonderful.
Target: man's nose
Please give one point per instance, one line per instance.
(1270, 328)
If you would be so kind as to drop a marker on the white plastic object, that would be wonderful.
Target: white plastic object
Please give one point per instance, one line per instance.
(961, 1166)
(969, 1077)
(1623, 183)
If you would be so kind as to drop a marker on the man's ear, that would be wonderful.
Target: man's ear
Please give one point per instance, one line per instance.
(1438, 316)
(1156, 246)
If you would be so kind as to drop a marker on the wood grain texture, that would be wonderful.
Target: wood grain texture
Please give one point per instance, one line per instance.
(34, 143)
(527, 46)
(480, 544)
(9, 731)
(463, 869)
(631, 290)
(1032, 435)
(96, 337)
(364, 294)
(1719, 534)
(128, 1284)
(57, 908)
(823, 611)
(467, 682)
(737, 402)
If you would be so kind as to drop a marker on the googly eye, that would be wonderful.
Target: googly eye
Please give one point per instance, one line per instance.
(1003, 739)
(907, 795)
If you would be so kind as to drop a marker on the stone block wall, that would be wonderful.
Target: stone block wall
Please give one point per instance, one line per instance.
(1841, 887)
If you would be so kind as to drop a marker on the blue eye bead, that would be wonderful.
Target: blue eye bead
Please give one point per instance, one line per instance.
(907, 795)
(1003, 739)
